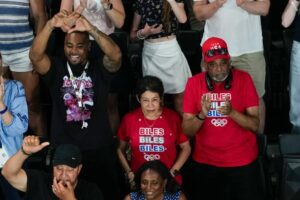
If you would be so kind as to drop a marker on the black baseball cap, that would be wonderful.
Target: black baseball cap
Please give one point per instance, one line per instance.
(67, 154)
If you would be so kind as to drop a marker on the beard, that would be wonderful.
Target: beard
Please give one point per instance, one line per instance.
(220, 77)
(77, 69)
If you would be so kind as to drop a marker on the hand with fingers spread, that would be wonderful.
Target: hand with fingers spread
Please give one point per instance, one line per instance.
(31, 144)
(63, 190)
(59, 21)
(205, 103)
(227, 108)
(82, 24)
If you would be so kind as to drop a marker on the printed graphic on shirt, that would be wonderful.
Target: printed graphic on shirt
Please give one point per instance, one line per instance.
(151, 142)
(78, 107)
(217, 101)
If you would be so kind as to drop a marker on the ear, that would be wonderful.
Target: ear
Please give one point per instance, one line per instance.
(137, 98)
(165, 183)
(79, 168)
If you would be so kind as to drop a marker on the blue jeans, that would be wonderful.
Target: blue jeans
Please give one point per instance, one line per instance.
(9, 192)
(295, 87)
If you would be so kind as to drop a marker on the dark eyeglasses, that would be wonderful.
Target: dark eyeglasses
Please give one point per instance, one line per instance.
(214, 52)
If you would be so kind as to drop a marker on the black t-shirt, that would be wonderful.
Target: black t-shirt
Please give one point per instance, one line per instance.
(39, 187)
(67, 118)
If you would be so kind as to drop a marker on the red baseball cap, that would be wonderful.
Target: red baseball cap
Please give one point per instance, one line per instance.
(214, 48)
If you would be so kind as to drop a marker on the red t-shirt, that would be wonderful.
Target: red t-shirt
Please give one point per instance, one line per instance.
(220, 141)
(152, 139)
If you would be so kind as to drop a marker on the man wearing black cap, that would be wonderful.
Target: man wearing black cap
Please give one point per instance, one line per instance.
(221, 110)
(63, 185)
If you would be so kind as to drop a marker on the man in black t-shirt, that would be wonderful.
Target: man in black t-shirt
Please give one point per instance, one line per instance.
(63, 185)
(78, 87)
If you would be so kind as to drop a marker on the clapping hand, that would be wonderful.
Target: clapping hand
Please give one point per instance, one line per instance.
(227, 108)
(205, 103)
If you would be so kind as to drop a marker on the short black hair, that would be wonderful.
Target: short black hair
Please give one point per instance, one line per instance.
(150, 83)
(157, 166)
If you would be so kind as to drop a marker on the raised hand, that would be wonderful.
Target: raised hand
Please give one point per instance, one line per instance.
(227, 108)
(82, 24)
(205, 103)
(31, 144)
(59, 21)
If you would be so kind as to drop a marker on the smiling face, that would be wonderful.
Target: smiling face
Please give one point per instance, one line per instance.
(76, 48)
(150, 104)
(65, 174)
(152, 185)
(218, 70)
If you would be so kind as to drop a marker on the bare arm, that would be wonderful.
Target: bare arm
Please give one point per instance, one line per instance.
(289, 13)
(121, 151)
(12, 170)
(38, 10)
(184, 153)
(248, 120)
(127, 197)
(117, 14)
(182, 196)
(191, 123)
(135, 25)
(257, 7)
(66, 5)
(37, 54)
(112, 57)
(178, 9)
(204, 10)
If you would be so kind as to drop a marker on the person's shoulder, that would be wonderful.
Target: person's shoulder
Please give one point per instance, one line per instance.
(240, 73)
(15, 86)
(86, 187)
(170, 113)
(197, 77)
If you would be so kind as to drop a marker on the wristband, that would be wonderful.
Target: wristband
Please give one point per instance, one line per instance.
(24, 152)
(174, 172)
(3, 111)
(198, 117)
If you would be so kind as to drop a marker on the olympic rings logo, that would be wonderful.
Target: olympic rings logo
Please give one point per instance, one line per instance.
(151, 157)
(219, 122)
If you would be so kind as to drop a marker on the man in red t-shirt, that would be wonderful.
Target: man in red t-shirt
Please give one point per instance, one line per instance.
(221, 110)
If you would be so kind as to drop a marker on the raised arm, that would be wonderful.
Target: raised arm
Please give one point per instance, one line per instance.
(204, 10)
(12, 170)
(178, 9)
(257, 7)
(67, 5)
(289, 13)
(38, 55)
(38, 10)
(117, 13)
(112, 57)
